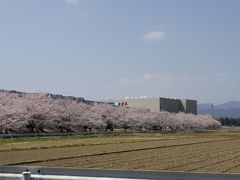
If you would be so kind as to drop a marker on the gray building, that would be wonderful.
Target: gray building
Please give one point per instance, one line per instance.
(161, 104)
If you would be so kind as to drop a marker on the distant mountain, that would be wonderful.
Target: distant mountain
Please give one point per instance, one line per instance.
(229, 109)
(204, 106)
(229, 105)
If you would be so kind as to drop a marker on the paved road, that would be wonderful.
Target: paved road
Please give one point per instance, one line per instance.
(59, 173)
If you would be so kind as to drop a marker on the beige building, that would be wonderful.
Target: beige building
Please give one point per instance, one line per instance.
(161, 104)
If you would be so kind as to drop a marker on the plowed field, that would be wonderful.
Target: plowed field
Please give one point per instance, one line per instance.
(217, 151)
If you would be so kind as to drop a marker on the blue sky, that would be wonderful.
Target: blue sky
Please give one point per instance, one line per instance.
(116, 48)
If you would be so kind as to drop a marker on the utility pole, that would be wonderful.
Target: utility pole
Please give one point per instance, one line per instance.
(212, 110)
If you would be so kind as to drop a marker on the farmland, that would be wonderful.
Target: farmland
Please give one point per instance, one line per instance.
(209, 151)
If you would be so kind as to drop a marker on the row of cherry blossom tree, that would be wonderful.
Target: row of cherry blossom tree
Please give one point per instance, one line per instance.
(37, 112)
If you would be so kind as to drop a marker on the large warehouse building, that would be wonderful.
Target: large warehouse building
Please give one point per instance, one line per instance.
(161, 104)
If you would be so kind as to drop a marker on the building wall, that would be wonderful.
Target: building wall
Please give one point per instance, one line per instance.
(147, 103)
(162, 104)
(189, 106)
(170, 105)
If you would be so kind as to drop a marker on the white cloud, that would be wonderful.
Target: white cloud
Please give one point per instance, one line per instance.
(150, 77)
(83, 15)
(162, 84)
(155, 36)
(221, 75)
(74, 2)
(124, 80)
(203, 87)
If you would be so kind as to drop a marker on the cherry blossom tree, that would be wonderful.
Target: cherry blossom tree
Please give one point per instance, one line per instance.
(38, 112)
